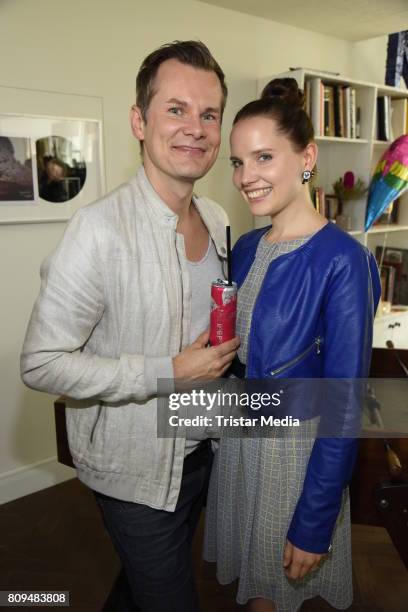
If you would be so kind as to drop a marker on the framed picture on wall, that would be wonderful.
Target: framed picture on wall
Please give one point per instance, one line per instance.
(49, 166)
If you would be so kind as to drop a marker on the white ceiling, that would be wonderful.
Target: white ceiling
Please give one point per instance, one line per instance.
(349, 19)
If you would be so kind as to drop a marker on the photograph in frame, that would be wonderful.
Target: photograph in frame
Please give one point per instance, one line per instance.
(61, 169)
(16, 170)
(49, 167)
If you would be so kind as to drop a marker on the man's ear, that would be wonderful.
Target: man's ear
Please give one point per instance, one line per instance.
(137, 122)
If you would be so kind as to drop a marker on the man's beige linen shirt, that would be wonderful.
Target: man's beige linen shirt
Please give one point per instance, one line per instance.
(113, 309)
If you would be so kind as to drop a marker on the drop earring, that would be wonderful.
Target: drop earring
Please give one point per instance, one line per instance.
(306, 176)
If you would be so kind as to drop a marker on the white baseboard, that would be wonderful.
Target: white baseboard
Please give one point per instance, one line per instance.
(32, 478)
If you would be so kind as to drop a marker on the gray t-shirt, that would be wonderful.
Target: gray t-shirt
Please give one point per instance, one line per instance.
(202, 274)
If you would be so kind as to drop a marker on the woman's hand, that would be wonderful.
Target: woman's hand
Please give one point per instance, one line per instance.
(298, 563)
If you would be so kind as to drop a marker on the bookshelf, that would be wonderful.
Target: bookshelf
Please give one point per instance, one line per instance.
(359, 149)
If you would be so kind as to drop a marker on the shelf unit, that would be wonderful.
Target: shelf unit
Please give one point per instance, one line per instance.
(337, 154)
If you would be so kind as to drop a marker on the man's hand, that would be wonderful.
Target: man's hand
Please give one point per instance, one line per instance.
(298, 563)
(201, 362)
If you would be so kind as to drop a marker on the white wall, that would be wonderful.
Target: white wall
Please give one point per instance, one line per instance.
(94, 48)
(370, 59)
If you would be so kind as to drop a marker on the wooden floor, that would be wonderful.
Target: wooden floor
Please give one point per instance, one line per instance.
(55, 540)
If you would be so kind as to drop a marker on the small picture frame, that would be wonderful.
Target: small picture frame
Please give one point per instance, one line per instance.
(49, 166)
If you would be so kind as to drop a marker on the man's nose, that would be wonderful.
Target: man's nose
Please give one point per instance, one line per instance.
(194, 126)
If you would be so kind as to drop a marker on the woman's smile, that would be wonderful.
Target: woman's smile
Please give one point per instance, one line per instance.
(255, 195)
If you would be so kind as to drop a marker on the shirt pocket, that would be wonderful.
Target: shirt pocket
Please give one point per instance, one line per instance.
(100, 449)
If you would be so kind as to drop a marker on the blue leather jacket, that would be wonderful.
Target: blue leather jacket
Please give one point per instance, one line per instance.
(313, 318)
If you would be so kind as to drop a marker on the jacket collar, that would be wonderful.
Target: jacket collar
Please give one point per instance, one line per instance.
(153, 201)
(251, 239)
(213, 222)
(167, 217)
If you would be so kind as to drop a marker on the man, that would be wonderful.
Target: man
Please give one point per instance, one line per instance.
(51, 181)
(122, 301)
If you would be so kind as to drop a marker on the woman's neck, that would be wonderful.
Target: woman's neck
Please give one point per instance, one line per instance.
(295, 221)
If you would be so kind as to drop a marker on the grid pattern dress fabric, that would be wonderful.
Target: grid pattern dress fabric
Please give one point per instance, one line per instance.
(255, 486)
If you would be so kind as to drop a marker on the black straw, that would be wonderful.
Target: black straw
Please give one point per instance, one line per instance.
(229, 275)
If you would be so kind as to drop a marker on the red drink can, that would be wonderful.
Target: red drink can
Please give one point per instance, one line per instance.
(223, 311)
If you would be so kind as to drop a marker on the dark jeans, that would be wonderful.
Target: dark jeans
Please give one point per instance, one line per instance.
(154, 546)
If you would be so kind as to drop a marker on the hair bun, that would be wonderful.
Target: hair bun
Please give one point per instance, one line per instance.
(287, 89)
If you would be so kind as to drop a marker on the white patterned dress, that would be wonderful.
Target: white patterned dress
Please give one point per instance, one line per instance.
(255, 486)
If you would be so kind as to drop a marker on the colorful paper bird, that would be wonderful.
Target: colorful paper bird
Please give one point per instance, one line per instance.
(389, 181)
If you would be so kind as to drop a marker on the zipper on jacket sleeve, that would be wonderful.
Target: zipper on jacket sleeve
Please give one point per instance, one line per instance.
(317, 343)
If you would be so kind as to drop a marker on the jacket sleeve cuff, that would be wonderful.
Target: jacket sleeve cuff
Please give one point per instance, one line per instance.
(319, 545)
(158, 368)
(328, 472)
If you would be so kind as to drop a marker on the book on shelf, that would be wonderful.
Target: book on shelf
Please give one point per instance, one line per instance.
(332, 109)
(390, 214)
(307, 98)
(315, 105)
(327, 111)
(387, 283)
(321, 101)
(340, 94)
(319, 200)
(331, 207)
(346, 110)
(358, 122)
(398, 259)
(384, 118)
(353, 116)
(327, 205)
(336, 110)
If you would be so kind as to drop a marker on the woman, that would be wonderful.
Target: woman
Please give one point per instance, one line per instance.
(278, 509)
